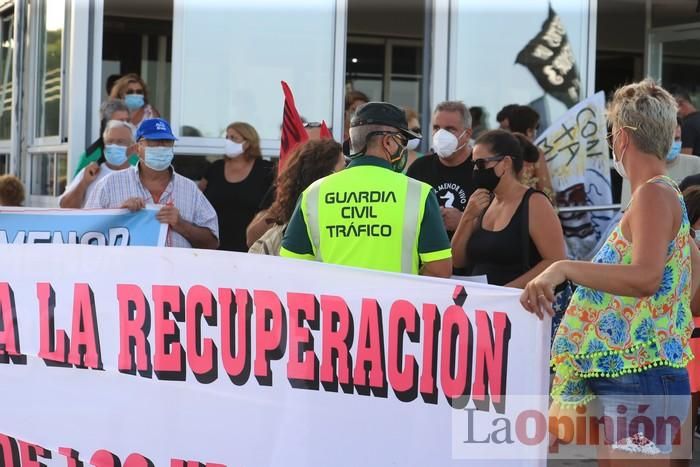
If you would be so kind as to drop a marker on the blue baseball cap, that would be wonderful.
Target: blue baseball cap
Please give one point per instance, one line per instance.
(155, 128)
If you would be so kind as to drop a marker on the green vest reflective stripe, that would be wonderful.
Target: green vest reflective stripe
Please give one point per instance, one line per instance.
(366, 216)
(311, 215)
(411, 227)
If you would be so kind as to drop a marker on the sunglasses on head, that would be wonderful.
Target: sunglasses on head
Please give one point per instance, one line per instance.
(480, 164)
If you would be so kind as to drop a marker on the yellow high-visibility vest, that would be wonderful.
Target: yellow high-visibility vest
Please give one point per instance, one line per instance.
(367, 217)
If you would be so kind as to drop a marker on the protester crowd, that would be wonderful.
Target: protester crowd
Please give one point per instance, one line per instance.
(489, 193)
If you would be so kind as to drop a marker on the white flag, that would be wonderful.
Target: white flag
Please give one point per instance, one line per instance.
(578, 160)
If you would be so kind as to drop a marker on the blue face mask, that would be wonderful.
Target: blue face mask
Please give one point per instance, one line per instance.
(158, 158)
(674, 152)
(115, 154)
(134, 101)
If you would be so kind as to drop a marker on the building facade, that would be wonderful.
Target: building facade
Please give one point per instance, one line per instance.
(211, 62)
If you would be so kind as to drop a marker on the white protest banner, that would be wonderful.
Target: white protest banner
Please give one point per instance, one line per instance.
(577, 155)
(160, 357)
(112, 227)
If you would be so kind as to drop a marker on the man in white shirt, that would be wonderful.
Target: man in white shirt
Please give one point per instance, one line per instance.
(119, 143)
(191, 219)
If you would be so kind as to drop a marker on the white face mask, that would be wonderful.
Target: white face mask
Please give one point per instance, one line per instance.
(232, 149)
(413, 144)
(619, 167)
(445, 143)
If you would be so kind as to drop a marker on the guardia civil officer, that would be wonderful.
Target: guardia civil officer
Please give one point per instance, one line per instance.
(370, 215)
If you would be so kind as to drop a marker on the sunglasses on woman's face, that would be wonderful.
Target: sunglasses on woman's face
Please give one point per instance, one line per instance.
(134, 91)
(480, 164)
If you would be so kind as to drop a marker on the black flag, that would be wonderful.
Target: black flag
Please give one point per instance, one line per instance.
(550, 59)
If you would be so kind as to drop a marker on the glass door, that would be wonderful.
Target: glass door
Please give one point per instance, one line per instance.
(228, 61)
(674, 56)
(47, 133)
(7, 48)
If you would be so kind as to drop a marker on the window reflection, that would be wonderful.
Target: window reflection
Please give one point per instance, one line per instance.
(6, 53)
(406, 75)
(50, 44)
(386, 69)
(235, 53)
(49, 174)
(680, 64)
(42, 174)
(486, 74)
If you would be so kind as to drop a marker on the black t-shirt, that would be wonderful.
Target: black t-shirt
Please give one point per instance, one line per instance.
(501, 255)
(453, 185)
(237, 203)
(690, 132)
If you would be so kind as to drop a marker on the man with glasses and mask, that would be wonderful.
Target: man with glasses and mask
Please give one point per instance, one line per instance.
(449, 169)
(370, 215)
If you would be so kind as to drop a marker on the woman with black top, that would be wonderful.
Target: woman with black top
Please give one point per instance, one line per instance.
(236, 184)
(508, 232)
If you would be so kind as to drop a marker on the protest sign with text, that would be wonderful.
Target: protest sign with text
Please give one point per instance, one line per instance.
(577, 156)
(173, 355)
(112, 227)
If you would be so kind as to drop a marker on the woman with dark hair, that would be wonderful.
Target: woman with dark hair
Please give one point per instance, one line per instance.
(236, 184)
(508, 232)
(526, 121)
(312, 160)
(531, 159)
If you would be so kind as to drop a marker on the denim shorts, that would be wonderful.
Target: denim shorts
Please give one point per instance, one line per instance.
(639, 408)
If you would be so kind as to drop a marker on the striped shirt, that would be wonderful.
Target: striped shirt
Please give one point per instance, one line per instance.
(112, 191)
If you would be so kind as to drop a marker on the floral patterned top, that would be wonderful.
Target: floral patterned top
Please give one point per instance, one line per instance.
(603, 335)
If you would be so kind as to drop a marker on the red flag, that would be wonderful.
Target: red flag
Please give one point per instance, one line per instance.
(325, 132)
(293, 131)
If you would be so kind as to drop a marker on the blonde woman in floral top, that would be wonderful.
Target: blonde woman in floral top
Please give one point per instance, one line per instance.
(624, 337)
